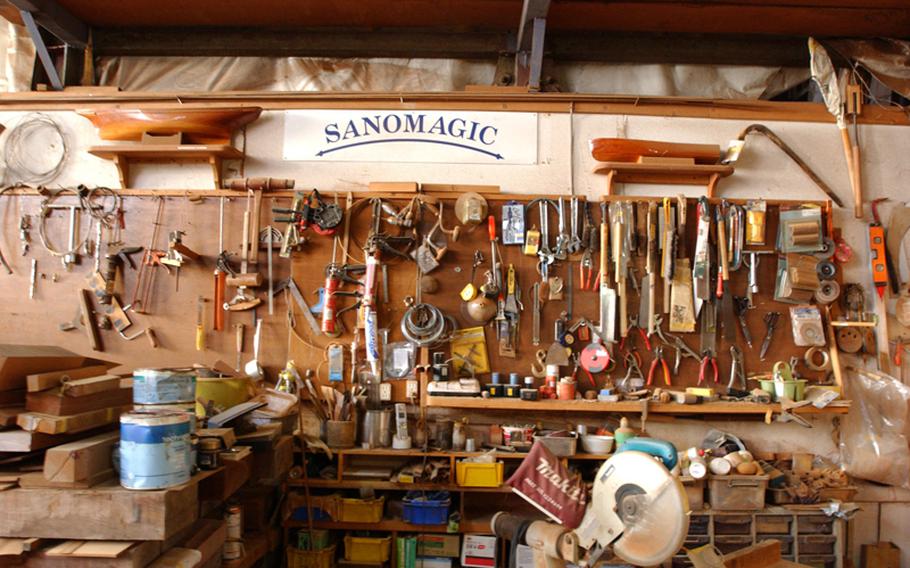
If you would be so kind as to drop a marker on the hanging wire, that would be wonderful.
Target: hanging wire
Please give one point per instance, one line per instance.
(20, 149)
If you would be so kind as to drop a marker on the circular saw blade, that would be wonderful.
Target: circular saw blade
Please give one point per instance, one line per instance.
(650, 501)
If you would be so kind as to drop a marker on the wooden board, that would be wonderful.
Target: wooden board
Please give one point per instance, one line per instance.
(18, 441)
(107, 512)
(45, 381)
(55, 403)
(89, 549)
(49, 424)
(138, 555)
(402, 278)
(19, 361)
(36, 480)
(80, 461)
(207, 536)
(226, 480)
(90, 385)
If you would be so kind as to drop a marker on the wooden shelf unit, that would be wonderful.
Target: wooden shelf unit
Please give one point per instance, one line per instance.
(712, 408)
(657, 173)
(124, 154)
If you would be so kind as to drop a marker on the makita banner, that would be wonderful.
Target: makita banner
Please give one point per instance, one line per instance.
(458, 137)
(545, 483)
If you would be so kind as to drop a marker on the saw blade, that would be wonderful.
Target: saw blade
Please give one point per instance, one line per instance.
(649, 502)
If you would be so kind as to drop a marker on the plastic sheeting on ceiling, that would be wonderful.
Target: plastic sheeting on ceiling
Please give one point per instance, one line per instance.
(357, 75)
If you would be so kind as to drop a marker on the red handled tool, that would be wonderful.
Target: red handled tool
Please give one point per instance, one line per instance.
(659, 361)
(708, 358)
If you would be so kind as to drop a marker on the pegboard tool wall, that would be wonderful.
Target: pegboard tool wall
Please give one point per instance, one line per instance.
(309, 265)
(172, 313)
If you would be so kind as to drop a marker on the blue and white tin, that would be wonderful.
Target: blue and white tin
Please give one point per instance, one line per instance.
(164, 386)
(155, 450)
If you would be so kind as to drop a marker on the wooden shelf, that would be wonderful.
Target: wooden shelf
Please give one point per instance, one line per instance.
(511, 404)
(440, 454)
(255, 545)
(124, 154)
(391, 485)
(657, 173)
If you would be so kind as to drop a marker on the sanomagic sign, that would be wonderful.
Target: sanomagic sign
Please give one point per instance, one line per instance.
(411, 136)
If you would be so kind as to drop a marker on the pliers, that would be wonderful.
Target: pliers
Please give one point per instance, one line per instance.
(659, 360)
(633, 326)
(737, 370)
(586, 271)
(634, 378)
(707, 358)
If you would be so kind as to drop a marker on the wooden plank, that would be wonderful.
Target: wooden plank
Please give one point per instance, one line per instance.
(19, 441)
(19, 361)
(53, 402)
(165, 151)
(839, 407)
(90, 385)
(82, 460)
(90, 549)
(45, 381)
(138, 555)
(115, 513)
(36, 480)
(72, 424)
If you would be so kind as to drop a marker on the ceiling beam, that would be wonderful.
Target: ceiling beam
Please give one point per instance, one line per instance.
(56, 19)
(785, 51)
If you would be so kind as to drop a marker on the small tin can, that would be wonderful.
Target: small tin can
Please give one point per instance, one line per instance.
(234, 519)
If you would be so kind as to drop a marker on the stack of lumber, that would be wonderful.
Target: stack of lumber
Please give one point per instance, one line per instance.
(49, 396)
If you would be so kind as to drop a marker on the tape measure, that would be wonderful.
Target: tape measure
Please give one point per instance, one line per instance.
(594, 358)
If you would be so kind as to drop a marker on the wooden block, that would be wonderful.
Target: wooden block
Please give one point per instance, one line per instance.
(45, 381)
(207, 536)
(80, 461)
(226, 435)
(36, 480)
(765, 553)
(270, 466)
(49, 424)
(90, 385)
(8, 416)
(53, 402)
(106, 512)
(178, 558)
(394, 186)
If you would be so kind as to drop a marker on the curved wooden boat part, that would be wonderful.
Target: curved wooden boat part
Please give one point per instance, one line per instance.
(628, 150)
(198, 125)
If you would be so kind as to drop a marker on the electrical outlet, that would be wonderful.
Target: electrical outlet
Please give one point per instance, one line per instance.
(385, 392)
(412, 389)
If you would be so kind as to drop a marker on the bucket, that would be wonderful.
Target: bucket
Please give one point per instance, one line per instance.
(340, 434)
(164, 386)
(226, 392)
(376, 428)
(155, 450)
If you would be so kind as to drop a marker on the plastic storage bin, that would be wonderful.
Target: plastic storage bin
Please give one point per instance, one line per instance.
(367, 549)
(361, 510)
(562, 446)
(698, 524)
(737, 492)
(324, 558)
(817, 544)
(319, 540)
(470, 474)
(773, 524)
(732, 524)
(421, 509)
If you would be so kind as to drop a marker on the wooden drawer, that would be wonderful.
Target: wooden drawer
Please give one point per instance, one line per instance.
(773, 524)
(814, 524)
(728, 544)
(732, 524)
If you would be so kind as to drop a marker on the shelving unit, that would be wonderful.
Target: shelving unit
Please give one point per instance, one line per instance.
(664, 173)
(511, 404)
(124, 154)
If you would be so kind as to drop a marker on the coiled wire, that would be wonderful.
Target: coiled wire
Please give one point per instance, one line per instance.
(20, 144)
(423, 324)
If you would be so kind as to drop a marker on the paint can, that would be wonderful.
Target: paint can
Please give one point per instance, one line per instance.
(187, 408)
(234, 519)
(155, 450)
(164, 386)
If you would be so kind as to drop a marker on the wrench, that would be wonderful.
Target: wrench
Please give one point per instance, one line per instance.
(562, 238)
(575, 242)
(543, 252)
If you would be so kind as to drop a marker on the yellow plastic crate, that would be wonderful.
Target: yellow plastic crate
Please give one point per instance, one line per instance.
(365, 549)
(361, 510)
(469, 474)
(324, 558)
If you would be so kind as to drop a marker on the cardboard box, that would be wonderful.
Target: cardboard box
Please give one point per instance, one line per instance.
(434, 563)
(881, 555)
(19, 361)
(438, 545)
(478, 551)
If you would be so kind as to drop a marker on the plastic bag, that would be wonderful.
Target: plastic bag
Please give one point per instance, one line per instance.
(873, 441)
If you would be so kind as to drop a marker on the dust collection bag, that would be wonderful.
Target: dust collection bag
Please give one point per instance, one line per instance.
(874, 434)
(542, 480)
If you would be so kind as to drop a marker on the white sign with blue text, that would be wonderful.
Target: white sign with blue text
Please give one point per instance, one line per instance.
(456, 137)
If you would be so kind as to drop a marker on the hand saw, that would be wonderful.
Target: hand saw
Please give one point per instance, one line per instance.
(607, 294)
(701, 262)
(708, 335)
(728, 316)
(649, 283)
(620, 261)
